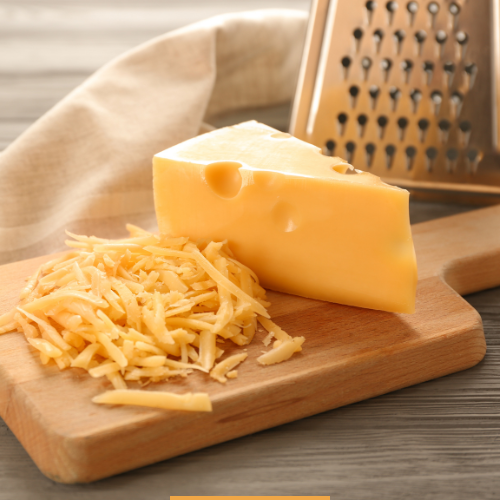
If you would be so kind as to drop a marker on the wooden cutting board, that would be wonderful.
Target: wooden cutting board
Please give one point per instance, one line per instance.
(350, 354)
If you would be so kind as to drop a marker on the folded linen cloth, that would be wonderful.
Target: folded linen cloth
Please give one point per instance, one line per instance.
(85, 166)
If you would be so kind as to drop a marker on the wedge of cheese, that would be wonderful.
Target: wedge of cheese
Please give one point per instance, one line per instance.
(306, 223)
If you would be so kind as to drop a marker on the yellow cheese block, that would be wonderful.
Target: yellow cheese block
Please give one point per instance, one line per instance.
(307, 224)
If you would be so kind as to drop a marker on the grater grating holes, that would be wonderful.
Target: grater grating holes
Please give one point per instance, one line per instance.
(406, 66)
(362, 121)
(454, 9)
(431, 154)
(399, 36)
(370, 152)
(370, 8)
(448, 69)
(382, 124)
(444, 129)
(433, 9)
(437, 99)
(330, 147)
(420, 37)
(472, 154)
(374, 92)
(465, 128)
(391, 9)
(353, 92)
(378, 36)
(462, 39)
(441, 37)
(402, 124)
(428, 67)
(423, 126)
(391, 6)
(473, 157)
(410, 152)
(346, 64)
(394, 94)
(366, 64)
(390, 152)
(386, 65)
(416, 97)
(342, 120)
(350, 148)
(346, 61)
(412, 8)
(358, 35)
(457, 100)
(471, 72)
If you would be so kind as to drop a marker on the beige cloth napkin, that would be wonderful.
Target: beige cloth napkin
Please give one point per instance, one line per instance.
(85, 166)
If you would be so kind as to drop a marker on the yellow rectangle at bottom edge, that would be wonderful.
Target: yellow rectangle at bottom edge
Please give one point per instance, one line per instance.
(230, 497)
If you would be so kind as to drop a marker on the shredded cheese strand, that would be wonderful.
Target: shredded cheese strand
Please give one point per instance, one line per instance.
(145, 309)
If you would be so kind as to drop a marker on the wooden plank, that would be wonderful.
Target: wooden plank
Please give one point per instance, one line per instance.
(351, 354)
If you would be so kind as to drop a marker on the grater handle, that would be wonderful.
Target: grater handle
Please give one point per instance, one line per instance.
(464, 249)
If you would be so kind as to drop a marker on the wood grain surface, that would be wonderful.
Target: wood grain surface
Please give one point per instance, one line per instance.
(436, 440)
(350, 354)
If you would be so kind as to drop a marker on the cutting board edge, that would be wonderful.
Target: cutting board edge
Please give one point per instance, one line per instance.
(69, 460)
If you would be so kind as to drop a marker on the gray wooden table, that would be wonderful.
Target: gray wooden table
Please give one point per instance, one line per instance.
(438, 440)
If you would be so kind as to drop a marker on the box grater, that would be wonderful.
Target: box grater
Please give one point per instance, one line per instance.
(407, 90)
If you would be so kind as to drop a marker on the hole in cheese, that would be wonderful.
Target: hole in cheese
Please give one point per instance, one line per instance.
(224, 178)
(344, 168)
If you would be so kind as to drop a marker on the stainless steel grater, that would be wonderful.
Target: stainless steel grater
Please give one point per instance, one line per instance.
(408, 90)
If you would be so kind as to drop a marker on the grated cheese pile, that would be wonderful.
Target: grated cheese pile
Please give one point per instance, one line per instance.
(145, 309)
